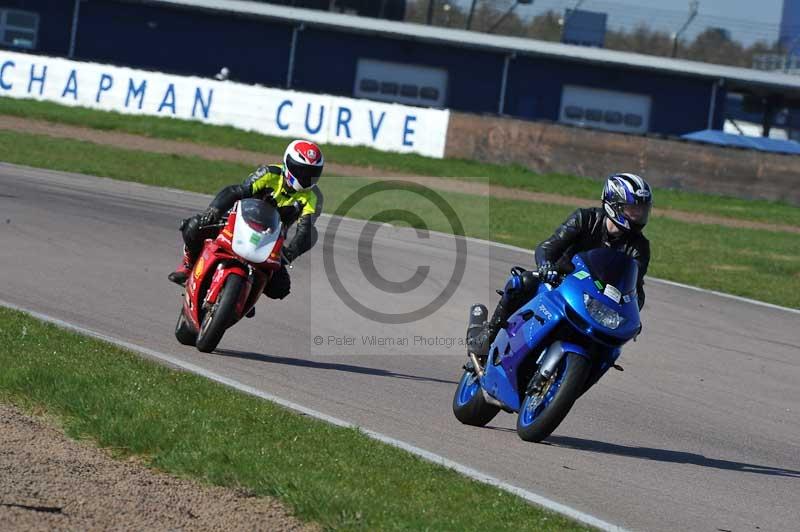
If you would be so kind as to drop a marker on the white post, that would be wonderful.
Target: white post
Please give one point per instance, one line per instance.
(74, 34)
(713, 106)
(504, 82)
(290, 73)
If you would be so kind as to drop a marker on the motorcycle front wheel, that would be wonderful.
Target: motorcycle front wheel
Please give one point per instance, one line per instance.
(540, 414)
(221, 314)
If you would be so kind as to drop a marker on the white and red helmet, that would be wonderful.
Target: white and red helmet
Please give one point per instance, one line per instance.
(303, 163)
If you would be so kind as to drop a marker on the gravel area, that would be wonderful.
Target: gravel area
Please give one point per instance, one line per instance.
(51, 482)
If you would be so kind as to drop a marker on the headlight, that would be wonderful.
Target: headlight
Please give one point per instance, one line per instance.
(601, 313)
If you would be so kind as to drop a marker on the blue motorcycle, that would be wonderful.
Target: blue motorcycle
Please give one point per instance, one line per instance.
(555, 347)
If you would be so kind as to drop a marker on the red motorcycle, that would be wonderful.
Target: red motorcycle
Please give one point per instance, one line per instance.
(231, 273)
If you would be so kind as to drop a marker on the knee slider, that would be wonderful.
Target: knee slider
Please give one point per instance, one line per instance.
(521, 284)
(190, 230)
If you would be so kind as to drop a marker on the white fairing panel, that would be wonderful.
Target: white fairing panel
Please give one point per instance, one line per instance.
(253, 246)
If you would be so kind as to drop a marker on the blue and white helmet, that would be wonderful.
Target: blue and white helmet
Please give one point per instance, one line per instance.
(627, 200)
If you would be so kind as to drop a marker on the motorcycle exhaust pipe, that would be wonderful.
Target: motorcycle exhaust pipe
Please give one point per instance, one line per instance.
(478, 315)
(477, 365)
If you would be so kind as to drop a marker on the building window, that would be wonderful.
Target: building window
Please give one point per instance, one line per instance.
(574, 112)
(400, 82)
(613, 117)
(594, 115)
(429, 93)
(369, 85)
(605, 109)
(18, 28)
(632, 120)
(409, 91)
(388, 87)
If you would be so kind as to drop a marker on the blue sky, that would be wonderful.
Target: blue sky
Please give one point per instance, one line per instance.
(747, 20)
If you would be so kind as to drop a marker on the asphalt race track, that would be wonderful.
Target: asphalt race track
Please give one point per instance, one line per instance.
(700, 432)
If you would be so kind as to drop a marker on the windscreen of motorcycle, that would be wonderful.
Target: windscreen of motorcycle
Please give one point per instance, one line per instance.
(613, 268)
(256, 230)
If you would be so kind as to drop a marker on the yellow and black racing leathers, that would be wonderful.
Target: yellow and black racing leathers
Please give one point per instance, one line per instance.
(302, 207)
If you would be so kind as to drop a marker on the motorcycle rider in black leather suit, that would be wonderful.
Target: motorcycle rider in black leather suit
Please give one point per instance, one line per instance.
(627, 201)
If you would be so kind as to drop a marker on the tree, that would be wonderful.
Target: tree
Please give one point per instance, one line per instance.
(713, 45)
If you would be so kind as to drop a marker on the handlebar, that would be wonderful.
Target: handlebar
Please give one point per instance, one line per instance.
(218, 225)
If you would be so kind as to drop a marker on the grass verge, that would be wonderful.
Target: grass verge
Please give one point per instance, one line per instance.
(759, 264)
(186, 425)
(510, 176)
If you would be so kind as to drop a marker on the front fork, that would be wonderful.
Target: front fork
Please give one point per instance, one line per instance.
(221, 274)
(548, 363)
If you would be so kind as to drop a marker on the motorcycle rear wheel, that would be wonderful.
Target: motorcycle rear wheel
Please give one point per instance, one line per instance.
(220, 316)
(536, 422)
(184, 332)
(469, 405)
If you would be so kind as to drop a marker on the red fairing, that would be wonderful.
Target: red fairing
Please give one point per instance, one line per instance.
(218, 281)
(216, 263)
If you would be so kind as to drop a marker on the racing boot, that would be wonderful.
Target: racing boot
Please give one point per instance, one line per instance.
(480, 337)
(181, 274)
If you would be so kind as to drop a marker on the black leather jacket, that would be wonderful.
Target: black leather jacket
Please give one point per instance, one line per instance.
(585, 229)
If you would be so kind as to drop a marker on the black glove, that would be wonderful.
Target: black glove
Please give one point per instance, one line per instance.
(209, 217)
(287, 257)
(290, 213)
(547, 272)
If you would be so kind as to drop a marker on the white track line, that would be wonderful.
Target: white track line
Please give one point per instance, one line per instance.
(422, 453)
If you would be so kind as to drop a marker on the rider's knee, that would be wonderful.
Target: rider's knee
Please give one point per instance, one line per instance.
(520, 286)
(190, 230)
(279, 285)
(313, 236)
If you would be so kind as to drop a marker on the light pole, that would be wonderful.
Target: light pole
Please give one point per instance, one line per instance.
(693, 5)
(507, 13)
(430, 11)
(471, 12)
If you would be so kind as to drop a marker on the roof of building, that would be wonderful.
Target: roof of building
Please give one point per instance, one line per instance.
(721, 138)
(735, 77)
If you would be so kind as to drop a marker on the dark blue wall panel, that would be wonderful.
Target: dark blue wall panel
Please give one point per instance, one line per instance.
(184, 42)
(326, 62)
(679, 104)
(55, 23)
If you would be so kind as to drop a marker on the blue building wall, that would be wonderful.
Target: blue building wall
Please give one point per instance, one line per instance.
(790, 23)
(199, 42)
(183, 42)
(327, 60)
(679, 105)
(55, 23)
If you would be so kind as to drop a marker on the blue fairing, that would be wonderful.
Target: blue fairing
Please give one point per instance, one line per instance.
(562, 314)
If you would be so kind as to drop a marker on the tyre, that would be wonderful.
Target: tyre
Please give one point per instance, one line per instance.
(221, 315)
(469, 405)
(184, 331)
(540, 415)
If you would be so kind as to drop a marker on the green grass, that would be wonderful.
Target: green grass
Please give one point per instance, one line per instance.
(763, 265)
(510, 176)
(186, 425)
